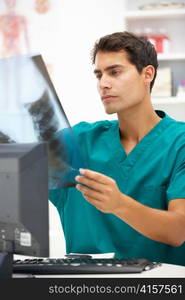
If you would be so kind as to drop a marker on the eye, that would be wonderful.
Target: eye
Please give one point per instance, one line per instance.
(115, 72)
(98, 76)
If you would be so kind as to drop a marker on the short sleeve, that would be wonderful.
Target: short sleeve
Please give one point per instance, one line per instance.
(176, 188)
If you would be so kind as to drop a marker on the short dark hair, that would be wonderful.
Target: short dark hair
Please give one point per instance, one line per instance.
(139, 49)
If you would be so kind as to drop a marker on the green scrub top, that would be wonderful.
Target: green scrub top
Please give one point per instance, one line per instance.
(153, 173)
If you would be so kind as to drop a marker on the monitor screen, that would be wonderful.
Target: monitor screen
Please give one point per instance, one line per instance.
(24, 227)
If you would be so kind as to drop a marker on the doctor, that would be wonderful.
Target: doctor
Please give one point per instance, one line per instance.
(133, 201)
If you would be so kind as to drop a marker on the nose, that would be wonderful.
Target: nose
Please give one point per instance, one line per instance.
(104, 82)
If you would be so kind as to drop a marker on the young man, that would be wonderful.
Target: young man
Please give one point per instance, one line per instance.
(131, 199)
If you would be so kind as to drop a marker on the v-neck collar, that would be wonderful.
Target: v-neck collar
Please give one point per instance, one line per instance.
(117, 149)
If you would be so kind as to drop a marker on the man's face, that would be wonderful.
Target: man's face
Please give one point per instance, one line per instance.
(120, 85)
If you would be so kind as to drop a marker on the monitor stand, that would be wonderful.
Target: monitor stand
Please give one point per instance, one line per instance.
(6, 265)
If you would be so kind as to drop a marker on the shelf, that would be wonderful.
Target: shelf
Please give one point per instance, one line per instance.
(173, 56)
(168, 100)
(147, 14)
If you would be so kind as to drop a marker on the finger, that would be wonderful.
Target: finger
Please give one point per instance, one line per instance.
(89, 193)
(90, 183)
(95, 176)
(94, 202)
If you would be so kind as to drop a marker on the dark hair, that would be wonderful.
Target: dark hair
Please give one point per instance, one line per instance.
(140, 50)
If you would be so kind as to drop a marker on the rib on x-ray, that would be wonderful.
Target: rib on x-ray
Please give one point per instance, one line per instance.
(30, 111)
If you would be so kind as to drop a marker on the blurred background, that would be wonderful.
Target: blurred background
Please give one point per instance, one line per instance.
(64, 32)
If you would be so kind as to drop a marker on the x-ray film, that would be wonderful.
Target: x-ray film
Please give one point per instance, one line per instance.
(31, 111)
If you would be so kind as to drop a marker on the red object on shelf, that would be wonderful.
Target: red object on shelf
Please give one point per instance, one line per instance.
(160, 42)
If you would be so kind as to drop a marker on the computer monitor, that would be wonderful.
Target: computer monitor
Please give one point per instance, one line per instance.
(24, 227)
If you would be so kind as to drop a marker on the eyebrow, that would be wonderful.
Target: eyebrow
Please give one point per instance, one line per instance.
(108, 68)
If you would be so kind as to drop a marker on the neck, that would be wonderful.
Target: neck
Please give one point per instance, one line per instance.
(136, 122)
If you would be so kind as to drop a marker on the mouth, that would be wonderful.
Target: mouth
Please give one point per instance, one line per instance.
(107, 97)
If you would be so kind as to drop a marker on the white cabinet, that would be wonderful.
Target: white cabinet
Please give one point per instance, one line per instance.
(172, 21)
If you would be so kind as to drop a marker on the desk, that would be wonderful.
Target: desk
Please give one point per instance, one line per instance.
(163, 271)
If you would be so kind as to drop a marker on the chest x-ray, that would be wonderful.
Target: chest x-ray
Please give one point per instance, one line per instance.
(30, 111)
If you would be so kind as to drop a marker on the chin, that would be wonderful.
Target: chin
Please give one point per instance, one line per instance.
(110, 112)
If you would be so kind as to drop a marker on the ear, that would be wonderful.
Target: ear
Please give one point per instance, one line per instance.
(148, 73)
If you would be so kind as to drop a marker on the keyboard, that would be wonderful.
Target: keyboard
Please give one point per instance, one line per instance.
(53, 266)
